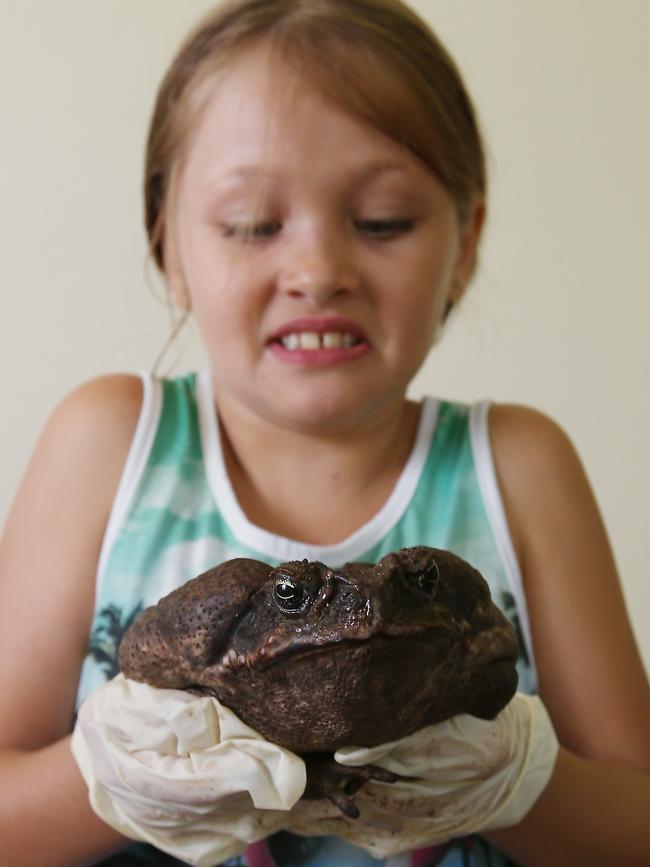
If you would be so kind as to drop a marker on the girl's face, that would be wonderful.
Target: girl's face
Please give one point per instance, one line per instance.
(318, 255)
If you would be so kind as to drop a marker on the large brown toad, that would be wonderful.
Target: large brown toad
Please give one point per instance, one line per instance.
(316, 658)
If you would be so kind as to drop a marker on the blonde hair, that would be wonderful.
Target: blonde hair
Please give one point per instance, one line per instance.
(404, 84)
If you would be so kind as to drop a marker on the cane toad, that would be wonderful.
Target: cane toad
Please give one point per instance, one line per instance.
(315, 658)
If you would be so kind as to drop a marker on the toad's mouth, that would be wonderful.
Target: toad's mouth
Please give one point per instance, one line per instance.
(436, 643)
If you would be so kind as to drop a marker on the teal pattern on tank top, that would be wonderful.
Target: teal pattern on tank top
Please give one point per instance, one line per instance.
(171, 528)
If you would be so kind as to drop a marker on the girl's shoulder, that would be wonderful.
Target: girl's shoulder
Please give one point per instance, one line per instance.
(537, 465)
(516, 429)
(96, 421)
(112, 399)
(540, 476)
(90, 432)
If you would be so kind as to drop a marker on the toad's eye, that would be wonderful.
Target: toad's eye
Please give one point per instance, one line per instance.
(427, 581)
(289, 595)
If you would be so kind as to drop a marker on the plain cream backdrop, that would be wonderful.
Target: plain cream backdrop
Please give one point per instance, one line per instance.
(559, 312)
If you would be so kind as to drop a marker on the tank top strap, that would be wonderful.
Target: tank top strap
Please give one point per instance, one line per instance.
(178, 438)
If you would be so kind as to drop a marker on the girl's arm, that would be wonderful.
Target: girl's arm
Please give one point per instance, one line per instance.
(592, 681)
(45, 817)
(48, 562)
(592, 814)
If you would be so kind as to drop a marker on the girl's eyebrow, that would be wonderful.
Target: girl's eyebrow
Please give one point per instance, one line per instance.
(243, 174)
(230, 183)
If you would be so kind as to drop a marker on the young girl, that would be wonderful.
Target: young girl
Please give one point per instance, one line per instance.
(315, 193)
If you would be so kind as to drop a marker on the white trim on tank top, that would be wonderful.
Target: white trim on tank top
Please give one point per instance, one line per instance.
(489, 485)
(139, 451)
(281, 548)
(287, 549)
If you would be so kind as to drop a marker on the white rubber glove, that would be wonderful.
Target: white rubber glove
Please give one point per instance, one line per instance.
(182, 773)
(466, 775)
(186, 775)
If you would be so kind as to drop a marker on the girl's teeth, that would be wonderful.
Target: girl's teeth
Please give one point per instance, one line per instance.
(332, 340)
(311, 340)
(291, 341)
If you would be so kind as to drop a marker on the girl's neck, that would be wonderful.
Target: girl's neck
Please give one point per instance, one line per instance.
(316, 489)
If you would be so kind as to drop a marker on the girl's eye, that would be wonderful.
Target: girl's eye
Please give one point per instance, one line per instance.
(253, 232)
(382, 230)
(385, 230)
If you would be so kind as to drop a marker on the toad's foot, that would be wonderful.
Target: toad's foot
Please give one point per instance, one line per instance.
(327, 779)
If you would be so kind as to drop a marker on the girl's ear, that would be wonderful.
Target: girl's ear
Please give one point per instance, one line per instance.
(470, 235)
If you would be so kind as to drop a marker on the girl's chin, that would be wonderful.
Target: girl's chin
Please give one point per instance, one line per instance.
(328, 410)
(328, 401)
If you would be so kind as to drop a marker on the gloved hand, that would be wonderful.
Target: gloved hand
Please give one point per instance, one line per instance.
(463, 776)
(186, 775)
(182, 772)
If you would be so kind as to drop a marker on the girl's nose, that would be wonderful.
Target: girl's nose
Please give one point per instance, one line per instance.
(318, 268)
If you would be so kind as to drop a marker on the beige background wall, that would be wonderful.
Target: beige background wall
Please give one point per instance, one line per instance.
(558, 316)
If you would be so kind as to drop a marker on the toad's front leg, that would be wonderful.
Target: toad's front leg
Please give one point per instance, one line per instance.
(327, 779)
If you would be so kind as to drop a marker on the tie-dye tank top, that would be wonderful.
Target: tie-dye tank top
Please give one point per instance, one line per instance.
(176, 515)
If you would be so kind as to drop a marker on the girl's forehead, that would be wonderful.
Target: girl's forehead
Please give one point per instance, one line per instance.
(261, 118)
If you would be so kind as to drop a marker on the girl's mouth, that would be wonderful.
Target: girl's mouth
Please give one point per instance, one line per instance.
(311, 340)
(318, 342)
(312, 349)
